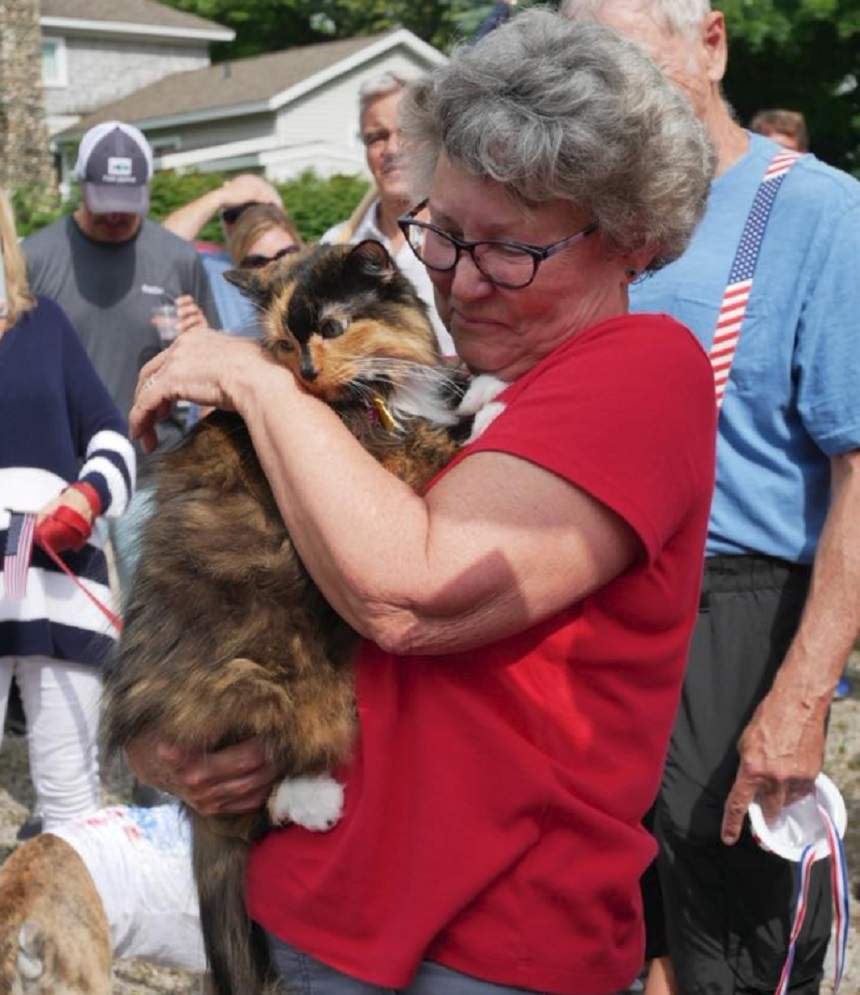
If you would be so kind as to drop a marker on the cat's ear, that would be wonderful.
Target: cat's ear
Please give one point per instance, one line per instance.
(372, 257)
(250, 284)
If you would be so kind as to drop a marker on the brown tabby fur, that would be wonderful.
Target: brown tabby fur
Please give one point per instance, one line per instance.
(54, 937)
(226, 635)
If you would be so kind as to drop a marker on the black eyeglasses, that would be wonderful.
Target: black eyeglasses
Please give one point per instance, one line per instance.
(230, 215)
(505, 263)
(255, 262)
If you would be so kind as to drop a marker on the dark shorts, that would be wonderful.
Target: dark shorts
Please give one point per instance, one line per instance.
(724, 914)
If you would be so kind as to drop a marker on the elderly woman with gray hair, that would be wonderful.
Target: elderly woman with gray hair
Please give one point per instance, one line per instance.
(526, 619)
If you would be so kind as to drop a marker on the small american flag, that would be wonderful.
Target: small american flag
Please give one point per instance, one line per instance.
(19, 549)
(737, 292)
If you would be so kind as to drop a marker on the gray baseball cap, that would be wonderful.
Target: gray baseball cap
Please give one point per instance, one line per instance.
(114, 168)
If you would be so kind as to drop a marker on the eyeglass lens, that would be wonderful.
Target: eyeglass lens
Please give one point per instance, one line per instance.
(502, 264)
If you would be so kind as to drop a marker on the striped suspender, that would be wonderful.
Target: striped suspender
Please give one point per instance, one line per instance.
(737, 293)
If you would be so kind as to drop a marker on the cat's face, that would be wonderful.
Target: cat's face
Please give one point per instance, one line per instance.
(342, 318)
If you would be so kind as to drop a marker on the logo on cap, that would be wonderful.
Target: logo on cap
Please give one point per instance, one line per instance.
(119, 166)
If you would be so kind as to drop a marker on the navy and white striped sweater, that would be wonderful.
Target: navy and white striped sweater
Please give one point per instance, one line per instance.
(58, 424)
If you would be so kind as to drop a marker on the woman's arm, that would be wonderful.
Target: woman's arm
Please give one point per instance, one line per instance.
(496, 546)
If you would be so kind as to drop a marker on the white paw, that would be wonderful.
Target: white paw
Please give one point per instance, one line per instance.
(482, 389)
(484, 418)
(479, 402)
(313, 802)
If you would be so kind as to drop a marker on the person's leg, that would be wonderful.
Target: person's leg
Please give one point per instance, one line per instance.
(656, 944)
(306, 976)
(435, 979)
(7, 669)
(61, 701)
(728, 910)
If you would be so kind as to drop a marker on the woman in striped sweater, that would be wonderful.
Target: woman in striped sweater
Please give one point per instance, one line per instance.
(65, 456)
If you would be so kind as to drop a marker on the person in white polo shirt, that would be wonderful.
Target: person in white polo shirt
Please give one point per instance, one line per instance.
(376, 216)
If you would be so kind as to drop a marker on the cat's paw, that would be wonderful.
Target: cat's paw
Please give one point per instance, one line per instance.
(481, 390)
(479, 404)
(313, 802)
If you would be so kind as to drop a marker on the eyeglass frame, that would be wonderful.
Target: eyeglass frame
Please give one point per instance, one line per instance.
(538, 253)
(258, 260)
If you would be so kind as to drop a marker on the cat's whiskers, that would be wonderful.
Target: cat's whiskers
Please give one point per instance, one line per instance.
(418, 390)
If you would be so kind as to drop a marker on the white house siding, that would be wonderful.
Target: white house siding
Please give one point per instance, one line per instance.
(320, 130)
(220, 132)
(102, 70)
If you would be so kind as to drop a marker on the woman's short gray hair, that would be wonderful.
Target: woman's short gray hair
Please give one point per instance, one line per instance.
(680, 16)
(556, 109)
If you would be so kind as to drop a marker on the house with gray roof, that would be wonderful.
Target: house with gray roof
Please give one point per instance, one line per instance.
(276, 114)
(98, 51)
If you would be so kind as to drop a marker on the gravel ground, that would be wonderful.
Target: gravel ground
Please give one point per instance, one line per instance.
(133, 977)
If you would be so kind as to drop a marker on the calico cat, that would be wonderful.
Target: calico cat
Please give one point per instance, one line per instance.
(226, 635)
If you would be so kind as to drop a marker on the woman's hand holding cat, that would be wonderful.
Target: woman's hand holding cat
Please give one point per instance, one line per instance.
(234, 780)
(203, 366)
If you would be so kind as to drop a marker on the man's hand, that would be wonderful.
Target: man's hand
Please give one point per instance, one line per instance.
(232, 781)
(781, 753)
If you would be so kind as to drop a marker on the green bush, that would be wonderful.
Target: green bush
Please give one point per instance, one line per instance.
(314, 203)
(35, 207)
(171, 190)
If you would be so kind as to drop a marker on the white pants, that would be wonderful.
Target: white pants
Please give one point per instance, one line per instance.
(61, 703)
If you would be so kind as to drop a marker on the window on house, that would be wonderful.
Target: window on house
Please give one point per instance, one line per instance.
(54, 62)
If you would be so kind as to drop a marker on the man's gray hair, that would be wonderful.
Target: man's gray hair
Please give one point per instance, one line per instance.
(555, 109)
(378, 86)
(680, 16)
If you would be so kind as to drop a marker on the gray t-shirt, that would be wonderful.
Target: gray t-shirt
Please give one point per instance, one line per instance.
(109, 290)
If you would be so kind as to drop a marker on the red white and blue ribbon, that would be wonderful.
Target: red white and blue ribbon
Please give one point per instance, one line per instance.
(737, 293)
(839, 886)
(19, 550)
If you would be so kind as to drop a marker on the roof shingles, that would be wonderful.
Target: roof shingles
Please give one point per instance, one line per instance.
(146, 12)
(247, 81)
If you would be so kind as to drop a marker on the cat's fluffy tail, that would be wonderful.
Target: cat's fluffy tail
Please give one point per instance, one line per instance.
(236, 948)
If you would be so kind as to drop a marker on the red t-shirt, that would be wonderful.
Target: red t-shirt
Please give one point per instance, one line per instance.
(493, 805)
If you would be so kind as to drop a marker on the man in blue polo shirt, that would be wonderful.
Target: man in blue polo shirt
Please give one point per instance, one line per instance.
(781, 595)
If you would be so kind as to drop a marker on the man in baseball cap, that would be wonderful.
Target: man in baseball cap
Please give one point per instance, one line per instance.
(114, 168)
(111, 268)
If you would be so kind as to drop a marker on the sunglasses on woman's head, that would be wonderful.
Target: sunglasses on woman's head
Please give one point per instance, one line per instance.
(230, 215)
(255, 262)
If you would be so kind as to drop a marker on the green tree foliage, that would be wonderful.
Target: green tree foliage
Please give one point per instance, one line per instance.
(802, 55)
(799, 54)
(316, 204)
(272, 25)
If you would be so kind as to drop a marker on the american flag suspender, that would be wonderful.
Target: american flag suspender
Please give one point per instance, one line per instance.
(737, 292)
